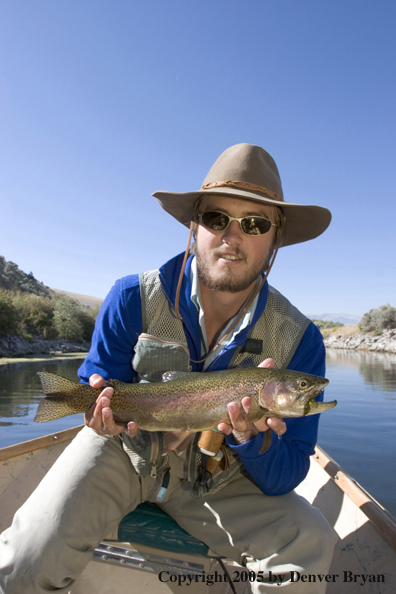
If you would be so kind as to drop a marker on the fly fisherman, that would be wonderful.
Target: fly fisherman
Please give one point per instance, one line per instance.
(209, 310)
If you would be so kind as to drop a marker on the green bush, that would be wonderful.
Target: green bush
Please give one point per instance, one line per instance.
(377, 320)
(8, 314)
(73, 321)
(30, 315)
(35, 315)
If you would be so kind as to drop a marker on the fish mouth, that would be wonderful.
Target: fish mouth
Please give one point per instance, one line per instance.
(322, 406)
(314, 393)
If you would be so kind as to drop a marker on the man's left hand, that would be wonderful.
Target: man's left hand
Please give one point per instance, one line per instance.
(242, 429)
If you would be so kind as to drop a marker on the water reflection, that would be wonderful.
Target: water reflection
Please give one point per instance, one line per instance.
(20, 393)
(19, 389)
(378, 369)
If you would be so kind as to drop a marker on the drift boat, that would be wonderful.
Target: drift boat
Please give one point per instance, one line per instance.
(150, 553)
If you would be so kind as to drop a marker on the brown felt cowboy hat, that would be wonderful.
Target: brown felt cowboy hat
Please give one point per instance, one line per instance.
(248, 171)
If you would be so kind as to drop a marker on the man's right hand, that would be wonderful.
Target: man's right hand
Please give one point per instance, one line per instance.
(100, 416)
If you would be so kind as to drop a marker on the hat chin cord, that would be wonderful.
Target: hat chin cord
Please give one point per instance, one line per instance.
(244, 308)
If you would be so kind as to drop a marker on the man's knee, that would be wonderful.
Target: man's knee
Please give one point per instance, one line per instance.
(307, 529)
(320, 535)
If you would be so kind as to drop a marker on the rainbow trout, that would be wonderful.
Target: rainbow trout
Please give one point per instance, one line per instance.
(190, 401)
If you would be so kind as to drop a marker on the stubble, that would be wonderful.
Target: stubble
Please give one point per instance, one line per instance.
(227, 280)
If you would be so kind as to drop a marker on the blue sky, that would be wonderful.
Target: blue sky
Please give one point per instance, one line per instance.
(102, 103)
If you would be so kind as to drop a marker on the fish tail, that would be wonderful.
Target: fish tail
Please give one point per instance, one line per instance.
(62, 397)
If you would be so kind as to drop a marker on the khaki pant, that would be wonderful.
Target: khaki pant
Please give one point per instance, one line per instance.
(93, 485)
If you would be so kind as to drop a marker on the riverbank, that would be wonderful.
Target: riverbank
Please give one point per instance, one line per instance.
(42, 358)
(17, 346)
(344, 337)
(349, 337)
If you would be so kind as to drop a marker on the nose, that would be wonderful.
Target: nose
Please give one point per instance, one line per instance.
(233, 234)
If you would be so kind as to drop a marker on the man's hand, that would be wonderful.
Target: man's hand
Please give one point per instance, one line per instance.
(100, 417)
(244, 430)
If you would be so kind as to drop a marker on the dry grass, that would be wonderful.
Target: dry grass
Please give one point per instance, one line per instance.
(85, 300)
(344, 331)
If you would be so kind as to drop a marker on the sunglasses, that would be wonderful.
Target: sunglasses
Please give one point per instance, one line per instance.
(219, 221)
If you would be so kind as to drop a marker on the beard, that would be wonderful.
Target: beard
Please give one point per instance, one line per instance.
(226, 280)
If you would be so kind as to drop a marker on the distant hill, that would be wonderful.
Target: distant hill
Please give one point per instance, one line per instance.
(341, 318)
(85, 300)
(13, 279)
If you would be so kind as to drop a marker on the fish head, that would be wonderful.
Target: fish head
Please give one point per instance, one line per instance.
(292, 394)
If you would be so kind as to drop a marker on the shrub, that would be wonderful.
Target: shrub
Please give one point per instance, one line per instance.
(73, 321)
(35, 315)
(376, 320)
(30, 315)
(8, 314)
(388, 316)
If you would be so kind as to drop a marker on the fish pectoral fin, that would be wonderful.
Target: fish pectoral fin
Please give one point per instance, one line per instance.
(169, 376)
(120, 421)
(267, 441)
(255, 412)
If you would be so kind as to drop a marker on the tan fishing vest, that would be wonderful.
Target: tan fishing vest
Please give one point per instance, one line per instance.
(162, 347)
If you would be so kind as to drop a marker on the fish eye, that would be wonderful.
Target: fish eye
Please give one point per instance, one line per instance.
(302, 383)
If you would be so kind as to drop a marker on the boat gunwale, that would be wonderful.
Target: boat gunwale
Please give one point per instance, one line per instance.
(26, 447)
(380, 517)
(383, 521)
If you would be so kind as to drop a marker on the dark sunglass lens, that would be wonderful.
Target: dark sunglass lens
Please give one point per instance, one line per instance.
(255, 225)
(217, 221)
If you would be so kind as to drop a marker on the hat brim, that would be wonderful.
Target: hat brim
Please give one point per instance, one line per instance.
(303, 222)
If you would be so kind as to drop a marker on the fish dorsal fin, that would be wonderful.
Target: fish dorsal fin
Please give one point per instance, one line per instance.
(169, 376)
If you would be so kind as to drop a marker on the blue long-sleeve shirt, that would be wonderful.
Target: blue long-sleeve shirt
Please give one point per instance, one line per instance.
(119, 323)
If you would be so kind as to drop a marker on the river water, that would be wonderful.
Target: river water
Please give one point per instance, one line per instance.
(359, 433)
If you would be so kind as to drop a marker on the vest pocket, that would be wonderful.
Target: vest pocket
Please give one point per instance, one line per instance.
(154, 356)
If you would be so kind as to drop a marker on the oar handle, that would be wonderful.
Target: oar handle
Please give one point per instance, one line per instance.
(210, 444)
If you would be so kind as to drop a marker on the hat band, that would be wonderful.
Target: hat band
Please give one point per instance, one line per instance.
(242, 186)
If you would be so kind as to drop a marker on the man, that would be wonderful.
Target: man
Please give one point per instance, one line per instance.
(211, 310)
